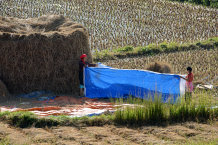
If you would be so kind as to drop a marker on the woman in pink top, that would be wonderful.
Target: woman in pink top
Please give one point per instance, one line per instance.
(189, 85)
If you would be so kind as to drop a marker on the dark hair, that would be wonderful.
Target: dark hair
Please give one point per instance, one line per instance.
(189, 69)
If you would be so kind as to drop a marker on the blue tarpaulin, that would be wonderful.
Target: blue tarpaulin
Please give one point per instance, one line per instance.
(107, 82)
(41, 95)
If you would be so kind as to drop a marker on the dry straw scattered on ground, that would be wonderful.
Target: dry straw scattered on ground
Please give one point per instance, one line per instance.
(41, 53)
(186, 133)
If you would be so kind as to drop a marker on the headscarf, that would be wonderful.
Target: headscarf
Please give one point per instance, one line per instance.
(82, 58)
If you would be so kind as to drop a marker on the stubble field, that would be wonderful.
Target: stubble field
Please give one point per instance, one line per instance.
(203, 63)
(117, 23)
(186, 133)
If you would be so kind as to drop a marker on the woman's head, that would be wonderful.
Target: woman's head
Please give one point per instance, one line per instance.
(83, 57)
(189, 69)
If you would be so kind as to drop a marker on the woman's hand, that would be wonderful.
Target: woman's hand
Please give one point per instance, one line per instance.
(182, 78)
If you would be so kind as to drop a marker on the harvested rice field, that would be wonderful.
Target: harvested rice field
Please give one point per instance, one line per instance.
(117, 23)
(186, 133)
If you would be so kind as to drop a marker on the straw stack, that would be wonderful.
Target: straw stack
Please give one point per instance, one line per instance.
(3, 90)
(41, 54)
(160, 67)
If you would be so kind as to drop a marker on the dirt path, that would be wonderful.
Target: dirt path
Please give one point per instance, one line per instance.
(109, 134)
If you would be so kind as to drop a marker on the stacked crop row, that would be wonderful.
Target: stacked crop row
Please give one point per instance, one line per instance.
(41, 54)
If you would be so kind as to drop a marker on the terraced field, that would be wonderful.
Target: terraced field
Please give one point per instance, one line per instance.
(117, 23)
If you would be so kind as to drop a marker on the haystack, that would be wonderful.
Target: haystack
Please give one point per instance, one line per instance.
(160, 67)
(3, 90)
(41, 53)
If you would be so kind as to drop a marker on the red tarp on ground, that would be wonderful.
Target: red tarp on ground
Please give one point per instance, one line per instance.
(87, 107)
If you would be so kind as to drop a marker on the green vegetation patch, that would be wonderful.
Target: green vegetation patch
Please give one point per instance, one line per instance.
(4, 141)
(152, 49)
(23, 119)
(154, 112)
(124, 49)
(210, 142)
(210, 3)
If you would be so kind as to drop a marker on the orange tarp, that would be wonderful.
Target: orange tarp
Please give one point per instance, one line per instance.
(88, 106)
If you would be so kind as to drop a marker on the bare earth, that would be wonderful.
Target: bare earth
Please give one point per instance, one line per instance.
(110, 134)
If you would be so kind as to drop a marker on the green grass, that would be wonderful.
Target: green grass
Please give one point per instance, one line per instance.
(155, 112)
(27, 119)
(4, 141)
(152, 49)
(211, 142)
(143, 112)
(209, 3)
(21, 119)
(124, 49)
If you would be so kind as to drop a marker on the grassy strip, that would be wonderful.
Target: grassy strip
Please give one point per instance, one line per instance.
(143, 113)
(27, 119)
(209, 3)
(153, 49)
(156, 113)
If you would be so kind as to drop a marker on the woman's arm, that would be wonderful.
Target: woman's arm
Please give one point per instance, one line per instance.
(92, 65)
(183, 78)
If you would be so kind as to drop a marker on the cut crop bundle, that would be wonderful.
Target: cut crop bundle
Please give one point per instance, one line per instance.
(41, 53)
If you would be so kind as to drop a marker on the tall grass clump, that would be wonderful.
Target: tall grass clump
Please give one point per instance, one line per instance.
(141, 111)
(21, 119)
(154, 111)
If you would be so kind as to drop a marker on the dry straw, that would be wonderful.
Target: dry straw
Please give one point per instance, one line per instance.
(41, 53)
(160, 67)
(3, 90)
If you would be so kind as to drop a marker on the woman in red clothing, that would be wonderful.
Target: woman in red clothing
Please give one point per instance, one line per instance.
(83, 63)
(189, 85)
